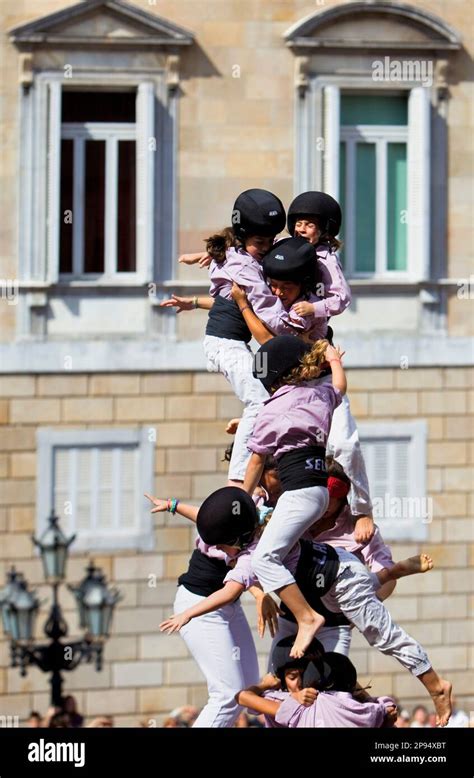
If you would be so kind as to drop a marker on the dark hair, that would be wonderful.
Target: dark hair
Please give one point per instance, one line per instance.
(325, 239)
(228, 452)
(295, 664)
(217, 244)
(270, 461)
(34, 715)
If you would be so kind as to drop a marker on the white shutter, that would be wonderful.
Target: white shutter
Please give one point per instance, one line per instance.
(103, 474)
(146, 163)
(331, 140)
(128, 479)
(53, 181)
(418, 166)
(395, 464)
(106, 491)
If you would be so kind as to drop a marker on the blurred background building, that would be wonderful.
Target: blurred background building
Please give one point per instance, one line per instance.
(127, 130)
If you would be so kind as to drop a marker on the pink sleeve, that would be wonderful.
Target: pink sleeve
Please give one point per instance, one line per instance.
(289, 713)
(264, 437)
(337, 293)
(242, 572)
(333, 395)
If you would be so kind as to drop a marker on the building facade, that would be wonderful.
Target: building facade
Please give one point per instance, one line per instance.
(128, 130)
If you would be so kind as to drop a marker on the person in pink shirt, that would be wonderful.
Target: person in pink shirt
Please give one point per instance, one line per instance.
(228, 519)
(321, 692)
(293, 426)
(317, 217)
(338, 528)
(213, 637)
(257, 217)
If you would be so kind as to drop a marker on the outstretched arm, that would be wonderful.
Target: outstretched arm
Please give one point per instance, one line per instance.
(333, 356)
(248, 699)
(188, 511)
(202, 258)
(252, 697)
(229, 592)
(187, 303)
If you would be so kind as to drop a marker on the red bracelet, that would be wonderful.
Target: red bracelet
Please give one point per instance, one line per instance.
(245, 308)
(334, 359)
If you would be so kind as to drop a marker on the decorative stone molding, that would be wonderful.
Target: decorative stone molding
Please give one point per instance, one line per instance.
(371, 24)
(97, 24)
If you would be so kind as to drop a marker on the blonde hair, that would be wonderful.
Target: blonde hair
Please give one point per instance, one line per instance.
(310, 364)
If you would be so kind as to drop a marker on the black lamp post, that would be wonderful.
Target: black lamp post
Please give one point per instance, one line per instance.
(19, 608)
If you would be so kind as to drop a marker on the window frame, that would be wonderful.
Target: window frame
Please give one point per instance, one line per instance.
(317, 129)
(141, 536)
(417, 432)
(380, 135)
(40, 126)
(111, 133)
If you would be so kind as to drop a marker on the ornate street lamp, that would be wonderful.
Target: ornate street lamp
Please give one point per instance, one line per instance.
(6, 594)
(19, 608)
(95, 603)
(53, 546)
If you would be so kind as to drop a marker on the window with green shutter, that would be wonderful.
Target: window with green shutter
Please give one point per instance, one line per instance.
(373, 183)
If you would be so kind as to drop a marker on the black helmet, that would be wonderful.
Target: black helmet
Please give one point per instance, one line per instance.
(227, 516)
(292, 259)
(258, 212)
(319, 204)
(339, 674)
(281, 659)
(276, 357)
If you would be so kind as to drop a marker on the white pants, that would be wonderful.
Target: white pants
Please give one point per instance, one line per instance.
(354, 594)
(336, 639)
(234, 359)
(344, 445)
(222, 645)
(295, 512)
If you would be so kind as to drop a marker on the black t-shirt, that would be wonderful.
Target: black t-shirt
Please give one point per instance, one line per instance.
(205, 575)
(317, 569)
(226, 321)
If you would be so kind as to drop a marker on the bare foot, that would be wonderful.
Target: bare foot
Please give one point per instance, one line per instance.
(442, 703)
(306, 632)
(364, 529)
(414, 564)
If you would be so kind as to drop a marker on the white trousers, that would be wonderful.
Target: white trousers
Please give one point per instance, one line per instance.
(354, 593)
(234, 359)
(336, 639)
(344, 445)
(295, 512)
(222, 645)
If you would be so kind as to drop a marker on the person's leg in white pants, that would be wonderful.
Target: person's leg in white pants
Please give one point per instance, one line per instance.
(353, 593)
(222, 645)
(234, 359)
(295, 512)
(344, 445)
